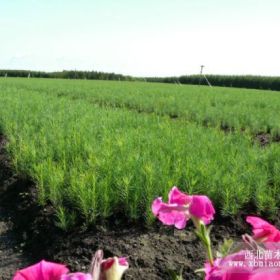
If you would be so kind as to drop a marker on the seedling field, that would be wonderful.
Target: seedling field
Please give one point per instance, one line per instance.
(101, 149)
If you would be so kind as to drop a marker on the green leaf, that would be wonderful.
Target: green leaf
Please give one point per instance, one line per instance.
(224, 248)
(174, 276)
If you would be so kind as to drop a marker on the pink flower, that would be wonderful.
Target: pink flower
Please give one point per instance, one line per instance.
(263, 231)
(239, 267)
(265, 276)
(76, 276)
(113, 268)
(175, 212)
(224, 270)
(181, 207)
(41, 271)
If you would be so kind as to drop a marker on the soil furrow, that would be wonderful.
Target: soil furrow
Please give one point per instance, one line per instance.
(11, 253)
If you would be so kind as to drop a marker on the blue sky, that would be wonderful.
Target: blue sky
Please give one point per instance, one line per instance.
(143, 37)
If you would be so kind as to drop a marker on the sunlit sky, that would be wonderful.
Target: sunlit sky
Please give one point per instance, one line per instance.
(142, 37)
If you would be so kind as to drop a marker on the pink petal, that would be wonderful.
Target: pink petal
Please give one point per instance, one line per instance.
(157, 203)
(171, 214)
(107, 263)
(123, 261)
(180, 221)
(178, 197)
(202, 208)
(237, 274)
(19, 276)
(263, 229)
(256, 222)
(76, 276)
(41, 271)
(222, 270)
(266, 276)
(173, 217)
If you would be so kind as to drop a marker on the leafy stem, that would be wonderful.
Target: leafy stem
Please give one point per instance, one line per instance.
(204, 235)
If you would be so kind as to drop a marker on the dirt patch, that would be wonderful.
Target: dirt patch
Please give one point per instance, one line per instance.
(276, 138)
(226, 128)
(11, 252)
(263, 139)
(173, 116)
(28, 235)
(151, 251)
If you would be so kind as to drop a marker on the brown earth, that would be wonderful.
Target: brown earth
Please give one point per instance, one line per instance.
(11, 253)
(27, 235)
(265, 139)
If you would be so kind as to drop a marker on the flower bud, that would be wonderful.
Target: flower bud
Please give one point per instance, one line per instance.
(114, 268)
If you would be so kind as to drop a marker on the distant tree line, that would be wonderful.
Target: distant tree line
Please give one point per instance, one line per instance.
(71, 74)
(248, 81)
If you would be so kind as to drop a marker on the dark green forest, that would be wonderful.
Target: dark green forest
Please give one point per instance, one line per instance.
(248, 81)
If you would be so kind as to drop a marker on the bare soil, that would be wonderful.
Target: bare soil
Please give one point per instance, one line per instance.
(11, 253)
(264, 139)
